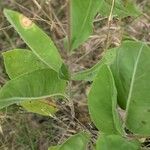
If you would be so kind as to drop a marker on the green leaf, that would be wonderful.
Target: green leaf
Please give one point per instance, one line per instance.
(21, 61)
(42, 107)
(121, 8)
(81, 18)
(132, 74)
(102, 103)
(115, 142)
(122, 68)
(89, 74)
(36, 85)
(138, 104)
(36, 39)
(78, 141)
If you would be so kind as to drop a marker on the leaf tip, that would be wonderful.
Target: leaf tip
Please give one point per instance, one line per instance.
(7, 11)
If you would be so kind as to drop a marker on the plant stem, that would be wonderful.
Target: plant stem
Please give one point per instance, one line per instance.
(69, 61)
(109, 25)
(69, 28)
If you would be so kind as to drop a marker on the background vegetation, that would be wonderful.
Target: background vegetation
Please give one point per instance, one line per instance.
(20, 130)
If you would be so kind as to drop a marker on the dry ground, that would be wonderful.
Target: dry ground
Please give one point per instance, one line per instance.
(20, 130)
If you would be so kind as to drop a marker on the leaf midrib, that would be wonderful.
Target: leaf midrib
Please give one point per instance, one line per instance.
(35, 98)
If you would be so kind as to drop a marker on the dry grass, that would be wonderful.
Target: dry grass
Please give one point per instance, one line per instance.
(20, 130)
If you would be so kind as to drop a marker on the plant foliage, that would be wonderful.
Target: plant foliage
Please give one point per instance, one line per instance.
(120, 78)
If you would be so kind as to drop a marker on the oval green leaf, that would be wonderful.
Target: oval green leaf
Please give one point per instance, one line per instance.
(138, 103)
(36, 39)
(102, 103)
(21, 61)
(116, 142)
(132, 74)
(36, 85)
(122, 68)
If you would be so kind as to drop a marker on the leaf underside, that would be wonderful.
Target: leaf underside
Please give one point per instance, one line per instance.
(42, 107)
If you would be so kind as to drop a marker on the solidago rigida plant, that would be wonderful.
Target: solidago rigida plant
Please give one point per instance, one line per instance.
(120, 79)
